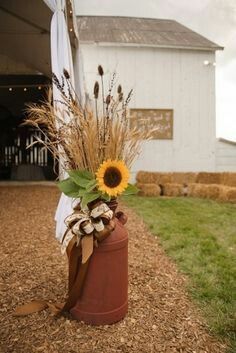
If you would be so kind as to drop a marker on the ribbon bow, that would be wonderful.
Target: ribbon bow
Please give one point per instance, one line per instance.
(88, 227)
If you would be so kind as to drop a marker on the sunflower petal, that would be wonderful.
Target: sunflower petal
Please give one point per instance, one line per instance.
(112, 177)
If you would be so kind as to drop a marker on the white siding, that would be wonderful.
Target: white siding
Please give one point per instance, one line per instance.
(166, 79)
(225, 156)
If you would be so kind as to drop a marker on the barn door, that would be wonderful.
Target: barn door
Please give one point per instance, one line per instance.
(18, 161)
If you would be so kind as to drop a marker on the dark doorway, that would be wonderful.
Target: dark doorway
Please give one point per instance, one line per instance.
(17, 162)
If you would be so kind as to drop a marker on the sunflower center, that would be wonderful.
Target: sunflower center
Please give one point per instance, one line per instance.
(112, 177)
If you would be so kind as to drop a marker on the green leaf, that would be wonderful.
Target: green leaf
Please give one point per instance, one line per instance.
(81, 177)
(82, 191)
(106, 197)
(89, 197)
(68, 187)
(85, 174)
(91, 185)
(130, 190)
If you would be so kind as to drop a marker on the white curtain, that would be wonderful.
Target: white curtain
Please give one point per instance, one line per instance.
(61, 54)
(61, 58)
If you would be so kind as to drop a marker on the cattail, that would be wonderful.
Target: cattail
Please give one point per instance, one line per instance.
(66, 74)
(96, 90)
(100, 70)
(56, 82)
(128, 97)
(120, 97)
(108, 99)
(55, 79)
(119, 89)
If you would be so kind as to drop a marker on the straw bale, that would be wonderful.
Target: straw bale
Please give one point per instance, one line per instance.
(158, 178)
(197, 190)
(184, 178)
(173, 189)
(231, 194)
(208, 178)
(155, 177)
(149, 189)
(223, 192)
(144, 177)
(163, 178)
(229, 179)
(213, 191)
(227, 194)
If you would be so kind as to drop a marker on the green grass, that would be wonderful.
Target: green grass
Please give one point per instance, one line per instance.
(200, 235)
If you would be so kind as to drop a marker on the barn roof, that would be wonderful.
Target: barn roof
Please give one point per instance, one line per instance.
(142, 32)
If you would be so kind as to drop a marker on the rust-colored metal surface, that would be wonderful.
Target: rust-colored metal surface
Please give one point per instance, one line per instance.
(104, 298)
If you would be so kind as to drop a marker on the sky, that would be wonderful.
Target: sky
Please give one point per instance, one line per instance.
(214, 19)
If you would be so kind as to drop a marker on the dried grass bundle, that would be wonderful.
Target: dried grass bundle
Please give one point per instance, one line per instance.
(80, 137)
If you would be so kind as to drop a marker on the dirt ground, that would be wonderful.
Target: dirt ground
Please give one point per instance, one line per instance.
(161, 317)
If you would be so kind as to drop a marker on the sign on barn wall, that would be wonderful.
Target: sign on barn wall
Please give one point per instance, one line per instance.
(148, 119)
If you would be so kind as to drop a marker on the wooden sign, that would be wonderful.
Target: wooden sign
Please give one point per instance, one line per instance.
(148, 119)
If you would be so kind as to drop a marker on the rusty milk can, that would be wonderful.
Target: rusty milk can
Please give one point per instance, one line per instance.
(104, 297)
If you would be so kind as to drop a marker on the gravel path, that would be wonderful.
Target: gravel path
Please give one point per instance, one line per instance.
(161, 317)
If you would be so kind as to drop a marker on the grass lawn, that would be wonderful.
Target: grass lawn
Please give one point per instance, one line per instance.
(200, 235)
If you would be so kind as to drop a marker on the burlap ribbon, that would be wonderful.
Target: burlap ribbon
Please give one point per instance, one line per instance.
(85, 229)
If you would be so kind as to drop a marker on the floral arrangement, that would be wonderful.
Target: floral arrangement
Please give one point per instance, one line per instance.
(95, 146)
(94, 143)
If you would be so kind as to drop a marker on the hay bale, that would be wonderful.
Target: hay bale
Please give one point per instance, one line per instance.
(208, 178)
(213, 191)
(184, 178)
(158, 178)
(227, 193)
(197, 190)
(161, 178)
(223, 193)
(172, 189)
(144, 177)
(231, 194)
(149, 189)
(229, 179)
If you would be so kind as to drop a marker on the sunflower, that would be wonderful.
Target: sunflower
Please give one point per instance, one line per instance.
(112, 177)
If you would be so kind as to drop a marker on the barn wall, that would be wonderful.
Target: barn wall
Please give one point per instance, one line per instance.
(166, 79)
(225, 156)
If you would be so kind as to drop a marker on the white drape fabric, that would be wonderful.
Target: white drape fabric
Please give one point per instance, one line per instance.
(61, 54)
(61, 58)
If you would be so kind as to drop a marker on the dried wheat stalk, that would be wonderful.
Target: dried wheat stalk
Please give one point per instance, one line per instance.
(80, 137)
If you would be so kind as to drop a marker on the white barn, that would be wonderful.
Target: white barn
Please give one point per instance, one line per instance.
(225, 155)
(171, 68)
